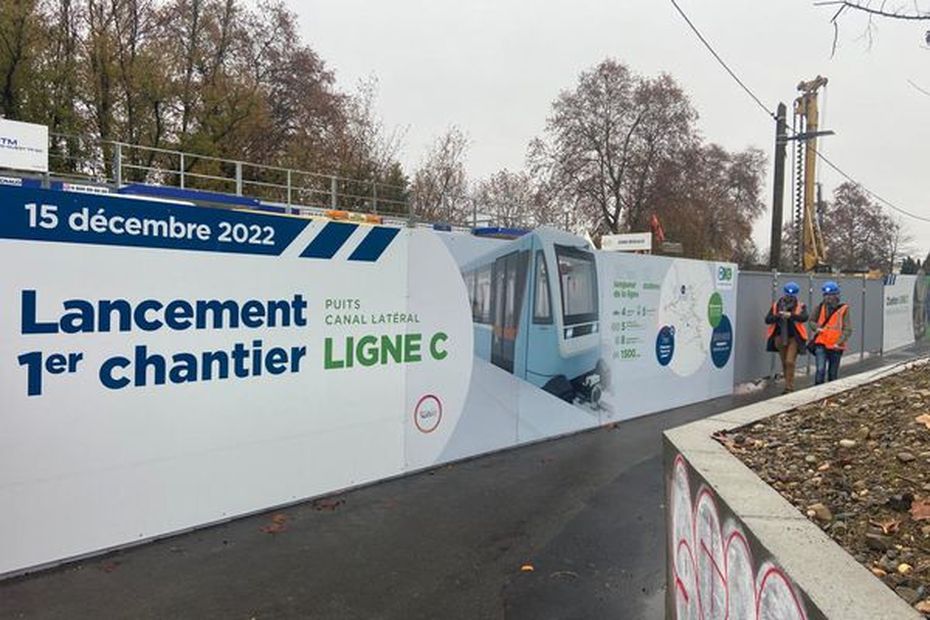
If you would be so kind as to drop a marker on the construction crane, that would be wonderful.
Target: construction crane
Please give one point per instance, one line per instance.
(811, 251)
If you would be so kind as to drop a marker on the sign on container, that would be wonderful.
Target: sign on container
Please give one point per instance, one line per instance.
(23, 146)
(630, 242)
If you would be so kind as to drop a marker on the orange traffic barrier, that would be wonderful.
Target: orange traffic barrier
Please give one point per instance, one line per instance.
(367, 218)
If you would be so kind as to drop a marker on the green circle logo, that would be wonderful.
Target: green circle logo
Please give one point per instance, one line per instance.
(715, 310)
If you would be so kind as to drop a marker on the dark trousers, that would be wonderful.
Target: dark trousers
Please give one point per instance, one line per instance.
(828, 363)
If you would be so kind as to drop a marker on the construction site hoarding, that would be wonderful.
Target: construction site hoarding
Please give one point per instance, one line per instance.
(164, 366)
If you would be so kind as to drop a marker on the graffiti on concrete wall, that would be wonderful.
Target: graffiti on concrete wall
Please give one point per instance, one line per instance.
(714, 573)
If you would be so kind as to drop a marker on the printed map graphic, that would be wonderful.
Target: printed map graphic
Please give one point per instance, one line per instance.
(686, 290)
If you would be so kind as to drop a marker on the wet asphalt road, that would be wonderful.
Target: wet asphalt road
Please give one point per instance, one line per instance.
(586, 511)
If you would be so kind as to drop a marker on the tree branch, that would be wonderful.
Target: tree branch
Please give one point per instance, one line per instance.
(866, 7)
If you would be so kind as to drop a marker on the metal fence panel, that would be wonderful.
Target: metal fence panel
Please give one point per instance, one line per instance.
(757, 291)
(754, 298)
(874, 327)
(810, 296)
(852, 292)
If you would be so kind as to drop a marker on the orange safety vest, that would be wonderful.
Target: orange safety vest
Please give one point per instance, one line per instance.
(801, 327)
(831, 328)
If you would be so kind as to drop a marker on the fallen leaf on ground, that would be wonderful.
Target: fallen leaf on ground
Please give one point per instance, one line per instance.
(923, 419)
(728, 442)
(923, 607)
(527, 568)
(278, 524)
(888, 526)
(920, 509)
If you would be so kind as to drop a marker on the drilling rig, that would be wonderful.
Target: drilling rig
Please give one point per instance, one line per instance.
(811, 253)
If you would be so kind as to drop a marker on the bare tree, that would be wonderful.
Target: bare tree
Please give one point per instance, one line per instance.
(607, 139)
(901, 10)
(858, 234)
(221, 78)
(512, 199)
(367, 151)
(709, 199)
(439, 191)
(900, 243)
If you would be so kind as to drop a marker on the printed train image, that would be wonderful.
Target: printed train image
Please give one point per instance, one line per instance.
(535, 310)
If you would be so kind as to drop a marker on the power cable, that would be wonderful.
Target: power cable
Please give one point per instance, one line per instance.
(769, 112)
(721, 61)
(877, 197)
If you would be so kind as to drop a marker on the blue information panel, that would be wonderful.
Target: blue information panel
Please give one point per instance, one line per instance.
(45, 215)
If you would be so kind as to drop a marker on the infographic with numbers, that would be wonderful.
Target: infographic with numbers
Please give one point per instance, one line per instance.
(669, 336)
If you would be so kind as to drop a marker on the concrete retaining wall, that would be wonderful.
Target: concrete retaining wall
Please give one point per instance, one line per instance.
(737, 549)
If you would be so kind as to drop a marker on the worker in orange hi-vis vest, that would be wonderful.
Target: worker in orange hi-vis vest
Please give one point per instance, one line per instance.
(831, 327)
(786, 331)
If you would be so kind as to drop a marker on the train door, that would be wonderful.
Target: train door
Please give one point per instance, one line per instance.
(509, 283)
(542, 354)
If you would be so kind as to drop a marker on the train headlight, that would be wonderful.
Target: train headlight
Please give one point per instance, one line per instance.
(594, 328)
(569, 332)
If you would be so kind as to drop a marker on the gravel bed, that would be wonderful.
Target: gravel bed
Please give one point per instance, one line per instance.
(858, 465)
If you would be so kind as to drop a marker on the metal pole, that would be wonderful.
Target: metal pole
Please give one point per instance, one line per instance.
(881, 323)
(332, 192)
(862, 323)
(118, 165)
(289, 208)
(182, 170)
(374, 195)
(238, 178)
(778, 194)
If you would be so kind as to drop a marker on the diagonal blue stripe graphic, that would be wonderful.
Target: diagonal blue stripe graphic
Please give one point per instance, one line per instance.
(374, 244)
(329, 240)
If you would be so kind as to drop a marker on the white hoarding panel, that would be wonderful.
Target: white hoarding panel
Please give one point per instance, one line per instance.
(899, 311)
(164, 366)
(668, 331)
(23, 146)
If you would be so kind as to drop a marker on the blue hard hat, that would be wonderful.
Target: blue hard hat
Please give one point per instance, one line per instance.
(792, 288)
(830, 288)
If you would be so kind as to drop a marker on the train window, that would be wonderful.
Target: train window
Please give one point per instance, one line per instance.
(469, 278)
(542, 306)
(514, 282)
(578, 284)
(481, 304)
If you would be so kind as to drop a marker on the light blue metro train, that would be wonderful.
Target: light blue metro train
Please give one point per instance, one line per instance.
(535, 311)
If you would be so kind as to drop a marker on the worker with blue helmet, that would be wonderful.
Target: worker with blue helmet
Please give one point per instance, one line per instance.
(831, 327)
(830, 288)
(787, 330)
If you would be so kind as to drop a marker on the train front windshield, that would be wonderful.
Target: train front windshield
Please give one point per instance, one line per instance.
(578, 284)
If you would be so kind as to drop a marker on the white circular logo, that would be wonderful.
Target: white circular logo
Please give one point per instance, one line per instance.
(428, 413)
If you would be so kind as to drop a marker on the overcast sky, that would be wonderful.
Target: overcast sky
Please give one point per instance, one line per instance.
(493, 67)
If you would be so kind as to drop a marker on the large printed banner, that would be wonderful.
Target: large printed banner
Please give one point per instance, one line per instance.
(163, 366)
(903, 314)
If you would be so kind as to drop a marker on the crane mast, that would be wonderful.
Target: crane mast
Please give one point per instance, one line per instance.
(813, 252)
